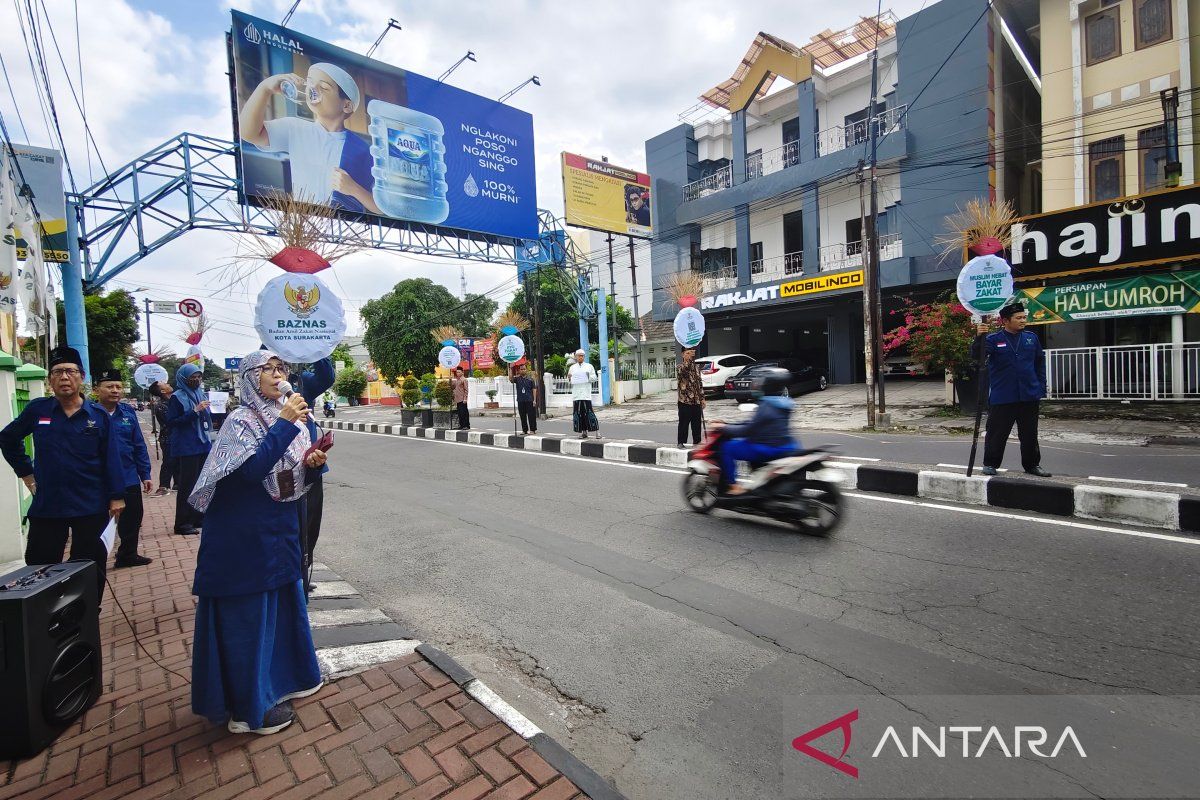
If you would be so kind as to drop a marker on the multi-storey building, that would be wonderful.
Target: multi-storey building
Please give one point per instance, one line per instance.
(765, 197)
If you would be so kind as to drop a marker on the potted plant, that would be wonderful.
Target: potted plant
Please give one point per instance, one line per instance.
(351, 383)
(491, 401)
(939, 334)
(444, 415)
(410, 396)
(425, 386)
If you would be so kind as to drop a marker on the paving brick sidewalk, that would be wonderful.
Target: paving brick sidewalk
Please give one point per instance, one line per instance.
(401, 729)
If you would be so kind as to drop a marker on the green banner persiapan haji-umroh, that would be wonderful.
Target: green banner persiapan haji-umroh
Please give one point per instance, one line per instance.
(1170, 293)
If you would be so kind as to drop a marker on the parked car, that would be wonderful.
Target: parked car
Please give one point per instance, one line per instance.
(903, 365)
(716, 370)
(805, 378)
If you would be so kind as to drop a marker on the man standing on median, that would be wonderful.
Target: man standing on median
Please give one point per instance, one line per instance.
(1017, 381)
(526, 391)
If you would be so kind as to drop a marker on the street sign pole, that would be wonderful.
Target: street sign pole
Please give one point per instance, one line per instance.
(149, 345)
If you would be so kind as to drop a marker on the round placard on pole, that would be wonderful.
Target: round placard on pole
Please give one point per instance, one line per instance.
(510, 349)
(689, 327)
(985, 284)
(449, 357)
(147, 374)
(299, 318)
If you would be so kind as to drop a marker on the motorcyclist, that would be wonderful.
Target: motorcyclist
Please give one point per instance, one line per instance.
(765, 436)
(328, 398)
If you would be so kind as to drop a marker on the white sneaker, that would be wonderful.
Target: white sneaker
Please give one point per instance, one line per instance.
(303, 692)
(275, 720)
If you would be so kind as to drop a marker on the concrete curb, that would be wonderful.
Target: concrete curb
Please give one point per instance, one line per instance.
(1169, 510)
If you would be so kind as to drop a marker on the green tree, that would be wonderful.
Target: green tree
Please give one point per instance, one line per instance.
(399, 324)
(112, 323)
(350, 382)
(341, 353)
(560, 317)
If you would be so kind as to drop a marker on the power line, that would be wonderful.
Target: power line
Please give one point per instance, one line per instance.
(13, 95)
(35, 35)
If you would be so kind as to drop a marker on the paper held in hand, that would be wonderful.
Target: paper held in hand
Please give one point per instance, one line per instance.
(218, 402)
(109, 534)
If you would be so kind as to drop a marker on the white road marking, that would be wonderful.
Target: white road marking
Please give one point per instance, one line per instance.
(1131, 480)
(877, 498)
(345, 616)
(1044, 520)
(507, 714)
(338, 662)
(857, 458)
(964, 466)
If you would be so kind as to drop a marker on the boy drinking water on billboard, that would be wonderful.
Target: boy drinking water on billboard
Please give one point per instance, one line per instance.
(329, 164)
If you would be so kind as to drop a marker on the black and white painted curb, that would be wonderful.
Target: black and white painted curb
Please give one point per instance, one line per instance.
(1177, 510)
(351, 636)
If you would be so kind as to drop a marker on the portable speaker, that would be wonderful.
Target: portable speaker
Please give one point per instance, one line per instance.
(50, 660)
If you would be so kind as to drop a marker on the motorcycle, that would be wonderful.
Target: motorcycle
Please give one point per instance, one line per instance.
(798, 489)
(328, 408)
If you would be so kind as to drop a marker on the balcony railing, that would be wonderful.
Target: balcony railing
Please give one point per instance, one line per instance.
(850, 254)
(721, 179)
(724, 278)
(789, 265)
(831, 140)
(771, 161)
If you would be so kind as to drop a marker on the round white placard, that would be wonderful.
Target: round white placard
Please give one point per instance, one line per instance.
(510, 349)
(147, 374)
(985, 284)
(449, 357)
(299, 317)
(689, 327)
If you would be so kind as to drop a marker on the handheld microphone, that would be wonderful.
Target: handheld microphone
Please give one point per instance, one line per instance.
(285, 388)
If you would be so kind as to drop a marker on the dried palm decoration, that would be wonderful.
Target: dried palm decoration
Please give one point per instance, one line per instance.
(153, 357)
(982, 227)
(196, 328)
(684, 287)
(514, 320)
(446, 334)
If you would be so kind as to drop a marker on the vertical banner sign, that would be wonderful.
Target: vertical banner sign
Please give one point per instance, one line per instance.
(985, 284)
(606, 197)
(42, 171)
(364, 137)
(8, 236)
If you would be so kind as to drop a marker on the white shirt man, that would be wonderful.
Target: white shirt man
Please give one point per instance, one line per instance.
(581, 376)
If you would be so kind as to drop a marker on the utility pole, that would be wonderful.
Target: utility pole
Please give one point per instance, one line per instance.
(615, 332)
(871, 235)
(538, 356)
(868, 308)
(636, 314)
(149, 346)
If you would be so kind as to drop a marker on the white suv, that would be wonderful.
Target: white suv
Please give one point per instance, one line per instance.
(715, 370)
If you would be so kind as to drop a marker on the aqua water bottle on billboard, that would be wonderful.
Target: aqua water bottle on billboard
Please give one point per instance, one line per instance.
(410, 168)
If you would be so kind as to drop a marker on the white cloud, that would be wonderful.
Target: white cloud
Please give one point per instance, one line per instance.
(613, 74)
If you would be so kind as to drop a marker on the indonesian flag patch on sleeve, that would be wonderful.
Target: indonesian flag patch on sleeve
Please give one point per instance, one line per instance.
(43, 420)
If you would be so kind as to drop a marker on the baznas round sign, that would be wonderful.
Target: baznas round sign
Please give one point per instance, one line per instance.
(689, 327)
(147, 374)
(299, 318)
(449, 357)
(985, 284)
(511, 349)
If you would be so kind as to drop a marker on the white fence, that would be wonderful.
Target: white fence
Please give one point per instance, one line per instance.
(1124, 372)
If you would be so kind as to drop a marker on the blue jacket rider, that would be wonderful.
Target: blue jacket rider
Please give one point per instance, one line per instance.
(766, 436)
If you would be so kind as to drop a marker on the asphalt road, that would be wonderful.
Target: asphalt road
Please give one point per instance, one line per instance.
(1169, 464)
(680, 655)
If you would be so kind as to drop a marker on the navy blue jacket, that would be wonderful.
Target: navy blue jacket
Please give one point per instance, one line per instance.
(312, 385)
(769, 425)
(1016, 366)
(189, 428)
(78, 464)
(135, 459)
(250, 542)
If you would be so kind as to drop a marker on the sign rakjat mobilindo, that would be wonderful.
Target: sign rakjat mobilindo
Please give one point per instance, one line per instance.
(299, 318)
(689, 327)
(1167, 293)
(985, 284)
(510, 348)
(411, 149)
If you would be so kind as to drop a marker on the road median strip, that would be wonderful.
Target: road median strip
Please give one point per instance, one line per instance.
(1169, 510)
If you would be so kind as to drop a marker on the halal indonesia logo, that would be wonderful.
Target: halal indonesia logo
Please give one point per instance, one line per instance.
(255, 36)
(976, 740)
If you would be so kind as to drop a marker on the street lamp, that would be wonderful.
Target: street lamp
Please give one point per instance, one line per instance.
(534, 80)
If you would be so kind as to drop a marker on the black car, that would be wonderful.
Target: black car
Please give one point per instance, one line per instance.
(805, 378)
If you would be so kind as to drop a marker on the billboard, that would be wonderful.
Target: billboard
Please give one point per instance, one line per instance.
(331, 126)
(606, 197)
(42, 170)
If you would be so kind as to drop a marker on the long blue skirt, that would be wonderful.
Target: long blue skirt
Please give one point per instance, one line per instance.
(249, 651)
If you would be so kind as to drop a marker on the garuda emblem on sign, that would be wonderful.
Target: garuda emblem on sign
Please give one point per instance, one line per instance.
(302, 299)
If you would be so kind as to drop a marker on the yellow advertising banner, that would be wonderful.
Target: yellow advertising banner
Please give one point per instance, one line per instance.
(822, 283)
(606, 197)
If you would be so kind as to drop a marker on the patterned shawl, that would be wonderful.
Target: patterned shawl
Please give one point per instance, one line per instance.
(243, 431)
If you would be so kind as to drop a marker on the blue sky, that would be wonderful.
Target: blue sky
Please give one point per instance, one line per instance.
(613, 74)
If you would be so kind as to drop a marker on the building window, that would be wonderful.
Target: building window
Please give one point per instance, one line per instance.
(1107, 168)
(1103, 33)
(1152, 158)
(854, 235)
(1151, 22)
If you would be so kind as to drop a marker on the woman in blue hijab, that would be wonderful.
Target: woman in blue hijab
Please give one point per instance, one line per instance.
(253, 649)
(189, 421)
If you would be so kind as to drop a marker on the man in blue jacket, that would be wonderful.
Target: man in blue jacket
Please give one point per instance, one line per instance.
(189, 420)
(1017, 376)
(75, 477)
(312, 384)
(135, 465)
(764, 437)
